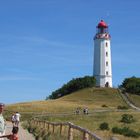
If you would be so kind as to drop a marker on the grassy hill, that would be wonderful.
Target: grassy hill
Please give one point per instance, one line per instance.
(94, 99)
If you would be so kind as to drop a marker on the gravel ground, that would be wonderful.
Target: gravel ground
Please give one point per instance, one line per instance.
(23, 134)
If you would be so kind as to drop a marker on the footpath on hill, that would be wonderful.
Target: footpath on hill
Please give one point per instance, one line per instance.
(127, 100)
(23, 134)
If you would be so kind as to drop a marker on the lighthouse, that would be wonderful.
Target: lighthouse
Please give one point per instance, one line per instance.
(102, 56)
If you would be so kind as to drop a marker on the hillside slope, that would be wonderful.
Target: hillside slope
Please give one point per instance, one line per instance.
(93, 98)
(96, 97)
(135, 99)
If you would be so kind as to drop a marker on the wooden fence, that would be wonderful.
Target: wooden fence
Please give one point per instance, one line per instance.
(71, 127)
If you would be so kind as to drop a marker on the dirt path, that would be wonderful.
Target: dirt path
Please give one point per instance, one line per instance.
(127, 100)
(23, 134)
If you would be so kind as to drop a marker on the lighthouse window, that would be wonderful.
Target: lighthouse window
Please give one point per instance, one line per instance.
(106, 53)
(106, 72)
(106, 63)
(106, 44)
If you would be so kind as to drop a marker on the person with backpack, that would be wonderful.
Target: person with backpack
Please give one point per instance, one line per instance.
(13, 119)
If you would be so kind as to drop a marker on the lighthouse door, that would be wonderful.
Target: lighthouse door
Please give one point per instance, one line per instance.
(106, 84)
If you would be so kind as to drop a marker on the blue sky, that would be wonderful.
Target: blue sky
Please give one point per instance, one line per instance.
(46, 43)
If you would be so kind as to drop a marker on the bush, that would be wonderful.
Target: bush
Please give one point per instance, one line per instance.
(72, 86)
(132, 85)
(125, 131)
(104, 126)
(122, 107)
(127, 118)
(104, 106)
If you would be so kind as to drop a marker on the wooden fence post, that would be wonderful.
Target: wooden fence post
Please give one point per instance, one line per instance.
(37, 122)
(48, 127)
(85, 136)
(61, 129)
(53, 127)
(41, 124)
(44, 124)
(70, 133)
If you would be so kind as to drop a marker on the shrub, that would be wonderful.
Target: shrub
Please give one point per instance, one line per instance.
(72, 86)
(127, 118)
(125, 131)
(122, 107)
(104, 105)
(132, 85)
(104, 126)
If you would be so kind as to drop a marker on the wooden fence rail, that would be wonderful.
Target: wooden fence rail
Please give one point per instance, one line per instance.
(71, 128)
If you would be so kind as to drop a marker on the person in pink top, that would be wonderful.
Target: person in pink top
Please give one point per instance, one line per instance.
(13, 136)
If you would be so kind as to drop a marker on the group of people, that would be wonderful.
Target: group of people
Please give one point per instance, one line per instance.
(85, 111)
(15, 120)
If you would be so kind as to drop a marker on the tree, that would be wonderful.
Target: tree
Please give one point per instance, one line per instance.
(132, 85)
(73, 85)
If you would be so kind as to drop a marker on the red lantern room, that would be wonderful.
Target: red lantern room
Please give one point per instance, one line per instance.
(102, 27)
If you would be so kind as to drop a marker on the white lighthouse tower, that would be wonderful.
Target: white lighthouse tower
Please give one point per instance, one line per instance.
(102, 56)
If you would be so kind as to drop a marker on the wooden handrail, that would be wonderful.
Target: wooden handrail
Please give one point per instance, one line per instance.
(86, 132)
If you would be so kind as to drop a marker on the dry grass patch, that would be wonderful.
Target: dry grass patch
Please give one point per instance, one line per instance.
(92, 122)
(93, 98)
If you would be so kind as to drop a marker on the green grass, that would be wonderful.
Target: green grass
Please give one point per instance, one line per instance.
(93, 121)
(94, 99)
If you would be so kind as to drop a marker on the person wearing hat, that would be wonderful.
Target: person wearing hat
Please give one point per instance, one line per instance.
(2, 121)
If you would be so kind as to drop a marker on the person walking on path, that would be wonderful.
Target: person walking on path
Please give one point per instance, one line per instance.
(2, 121)
(85, 110)
(17, 118)
(13, 119)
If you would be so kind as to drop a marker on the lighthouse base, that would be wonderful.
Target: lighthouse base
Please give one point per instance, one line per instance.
(103, 81)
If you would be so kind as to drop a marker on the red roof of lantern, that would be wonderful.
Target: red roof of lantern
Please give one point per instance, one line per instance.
(102, 24)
